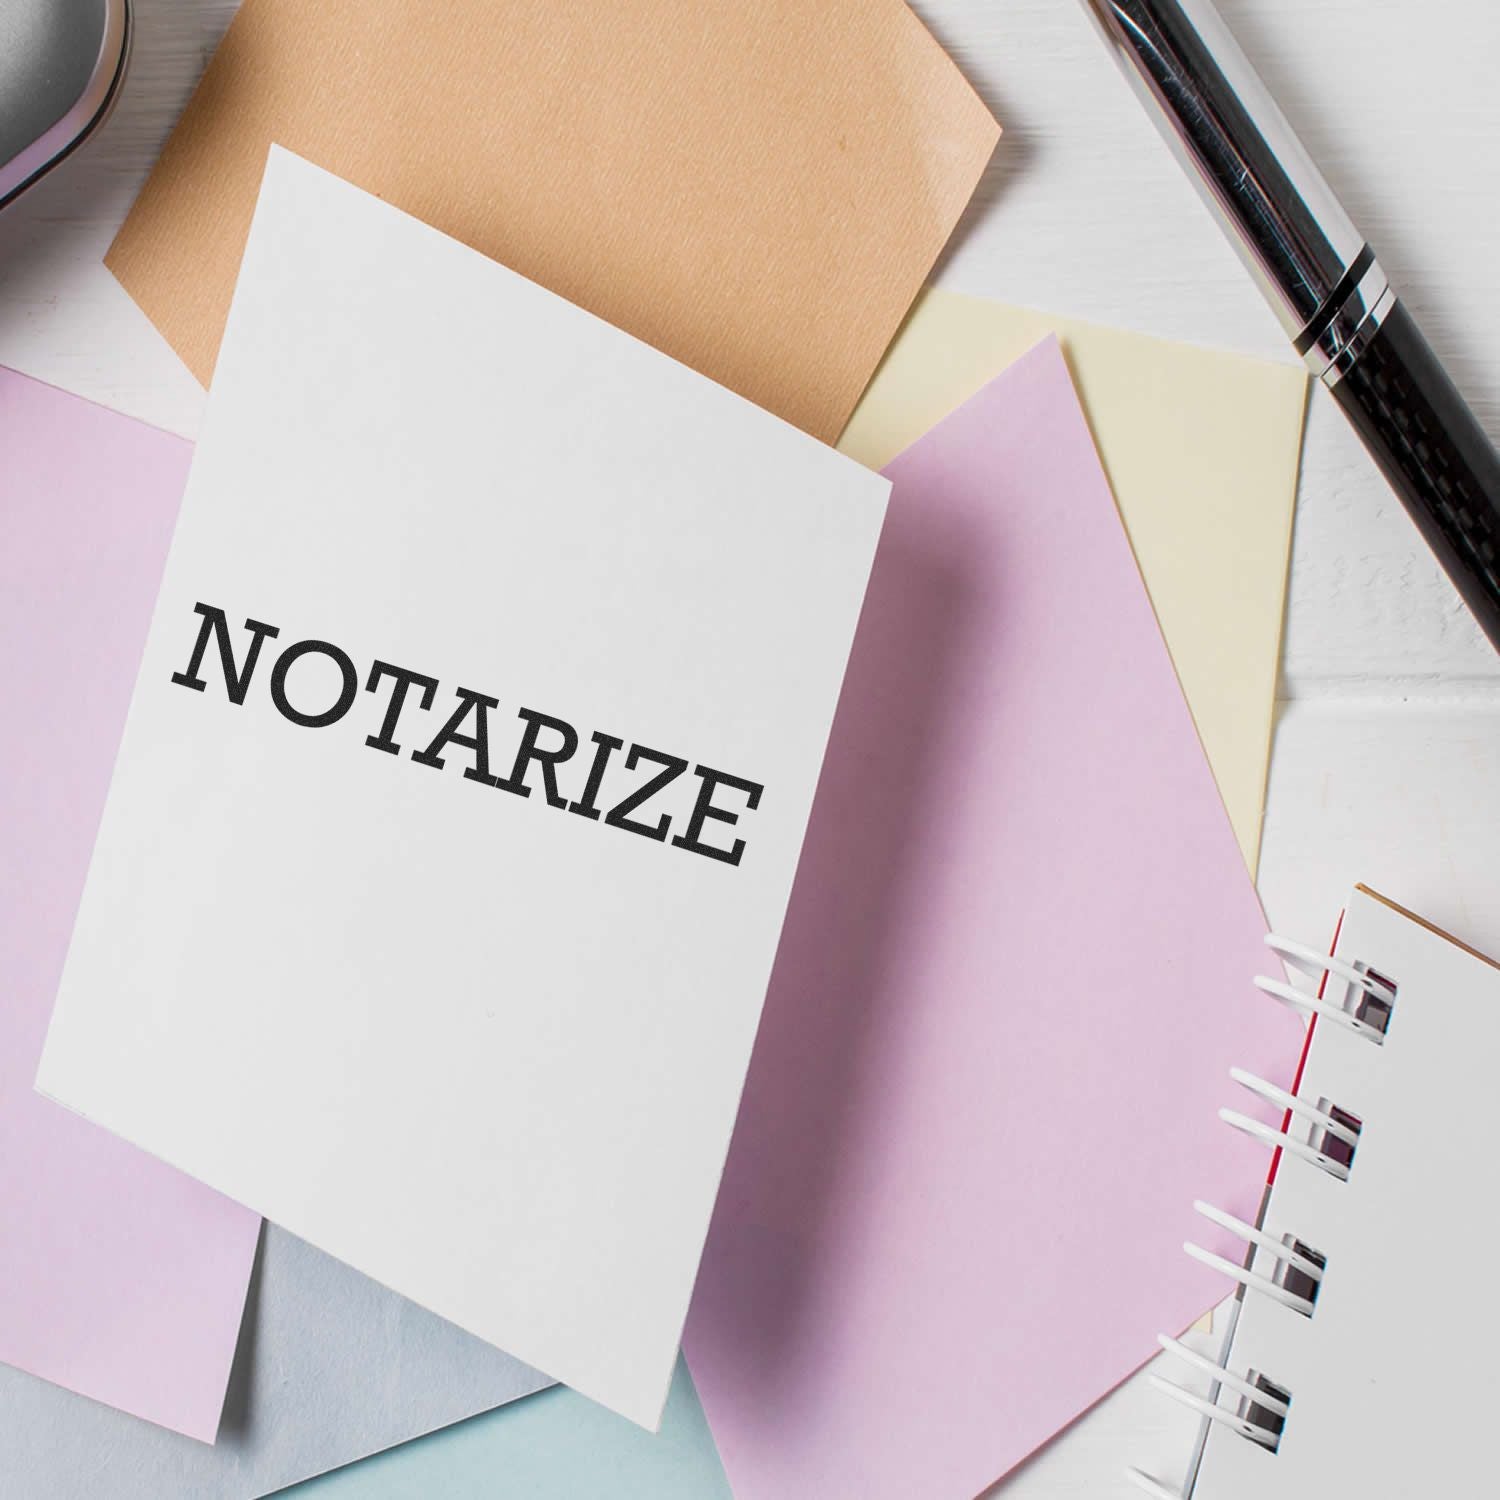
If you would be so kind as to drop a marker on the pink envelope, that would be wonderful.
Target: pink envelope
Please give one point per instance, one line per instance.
(119, 1277)
(1016, 971)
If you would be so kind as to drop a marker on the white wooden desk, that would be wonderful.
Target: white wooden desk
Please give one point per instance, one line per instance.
(1387, 758)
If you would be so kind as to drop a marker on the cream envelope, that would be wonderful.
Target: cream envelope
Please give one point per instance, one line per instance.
(1201, 449)
(462, 787)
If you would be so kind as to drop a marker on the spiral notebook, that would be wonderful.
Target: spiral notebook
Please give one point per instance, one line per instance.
(1337, 1372)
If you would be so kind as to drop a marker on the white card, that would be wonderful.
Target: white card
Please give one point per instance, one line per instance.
(478, 1028)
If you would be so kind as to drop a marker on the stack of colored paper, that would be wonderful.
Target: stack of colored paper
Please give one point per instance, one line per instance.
(452, 889)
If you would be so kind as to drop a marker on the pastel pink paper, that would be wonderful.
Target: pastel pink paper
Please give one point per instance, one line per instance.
(119, 1277)
(1016, 970)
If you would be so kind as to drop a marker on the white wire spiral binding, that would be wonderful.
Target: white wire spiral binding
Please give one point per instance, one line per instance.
(1153, 1487)
(1214, 1412)
(1310, 962)
(1283, 1100)
(1326, 1125)
(1315, 1005)
(1253, 1236)
(1227, 1378)
(1315, 965)
(1270, 1136)
(1252, 1281)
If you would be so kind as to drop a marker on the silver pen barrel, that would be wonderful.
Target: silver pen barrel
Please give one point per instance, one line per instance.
(1310, 262)
(1321, 278)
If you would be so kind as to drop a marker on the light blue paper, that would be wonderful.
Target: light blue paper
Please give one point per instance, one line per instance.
(552, 1446)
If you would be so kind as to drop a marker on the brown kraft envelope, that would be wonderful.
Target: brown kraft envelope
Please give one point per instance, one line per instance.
(756, 187)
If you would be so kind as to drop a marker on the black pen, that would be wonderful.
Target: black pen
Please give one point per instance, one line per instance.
(1321, 278)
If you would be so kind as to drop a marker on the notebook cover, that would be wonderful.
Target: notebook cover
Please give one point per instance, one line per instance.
(1387, 1396)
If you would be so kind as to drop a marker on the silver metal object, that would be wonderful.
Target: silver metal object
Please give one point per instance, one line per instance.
(61, 66)
(1322, 280)
(1271, 201)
